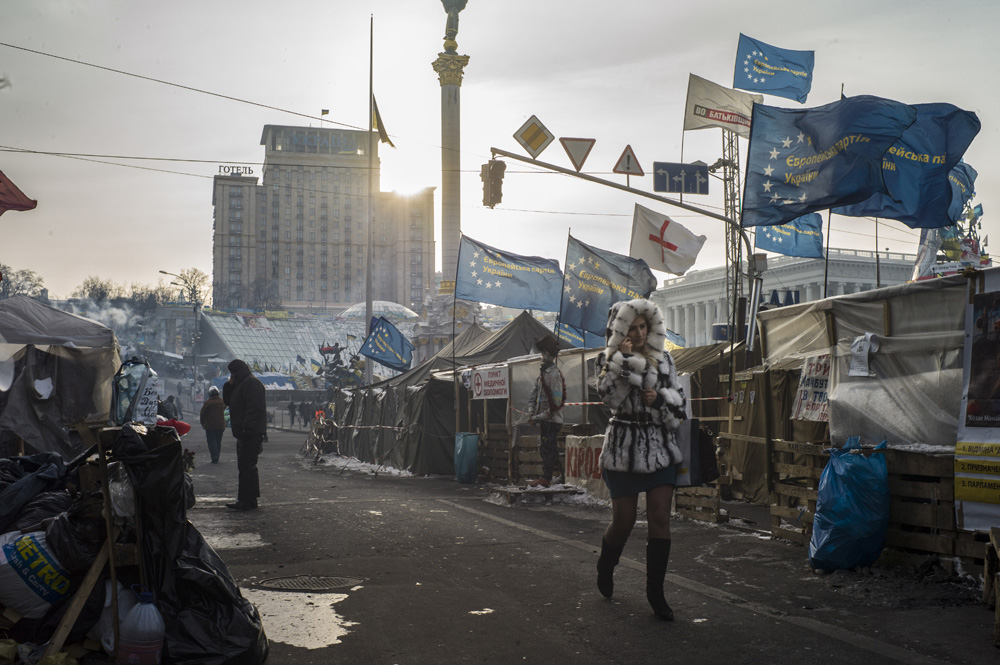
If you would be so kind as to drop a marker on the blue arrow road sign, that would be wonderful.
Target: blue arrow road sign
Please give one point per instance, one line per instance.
(680, 178)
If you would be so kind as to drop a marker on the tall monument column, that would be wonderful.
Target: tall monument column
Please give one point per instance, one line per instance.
(450, 66)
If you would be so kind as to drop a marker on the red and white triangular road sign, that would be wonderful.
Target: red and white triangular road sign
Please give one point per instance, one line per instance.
(577, 149)
(628, 164)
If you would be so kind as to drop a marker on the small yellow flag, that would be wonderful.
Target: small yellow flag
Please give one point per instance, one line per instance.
(377, 120)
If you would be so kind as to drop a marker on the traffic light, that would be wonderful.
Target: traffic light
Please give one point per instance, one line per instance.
(492, 176)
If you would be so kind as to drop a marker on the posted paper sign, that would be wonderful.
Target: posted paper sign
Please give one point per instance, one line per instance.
(145, 403)
(812, 399)
(860, 348)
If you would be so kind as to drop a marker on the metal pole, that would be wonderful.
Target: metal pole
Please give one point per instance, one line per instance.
(371, 209)
(638, 192)
(878, 269)
(826, 261)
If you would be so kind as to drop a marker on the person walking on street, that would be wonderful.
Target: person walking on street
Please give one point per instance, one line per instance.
(213, 419)
(638, 381)
(304, 413)
(546, 406)
(244, 395)
(176, 404)
(291, 414)
(168, 409)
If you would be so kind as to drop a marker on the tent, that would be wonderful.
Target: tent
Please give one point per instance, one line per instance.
(419, 409)
(55, 371)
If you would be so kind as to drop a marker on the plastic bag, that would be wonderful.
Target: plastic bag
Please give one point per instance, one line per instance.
(31, 578)
(41, 508)
(852, 509)
(207, 619)
(466, 457)
(134, 393)
(77, 535)
(103, 631)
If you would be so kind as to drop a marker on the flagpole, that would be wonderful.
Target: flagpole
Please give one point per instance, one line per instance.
(826, 261)
(878, 270)
(371, 210)
(454, 316)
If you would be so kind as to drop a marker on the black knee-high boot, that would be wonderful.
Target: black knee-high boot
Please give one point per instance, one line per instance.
(610, 555)
(657, 555)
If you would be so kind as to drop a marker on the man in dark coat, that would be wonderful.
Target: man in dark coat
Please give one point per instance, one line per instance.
(245, 397)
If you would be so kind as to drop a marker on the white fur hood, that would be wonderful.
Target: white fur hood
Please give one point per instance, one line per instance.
(620, 318)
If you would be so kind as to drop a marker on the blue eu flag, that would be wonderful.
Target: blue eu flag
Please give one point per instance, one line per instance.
(916, 169)
(800, 237)
(386, 345)
(813, 159)
(963, 187)
(580, 339)
(596, 278)
(489, 275)
(776, 71)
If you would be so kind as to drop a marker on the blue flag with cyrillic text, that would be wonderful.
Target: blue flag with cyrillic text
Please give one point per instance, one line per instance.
(916, 170)
(596, 278)
(486, 274)
(963, 187)
(386, 345)
(775, 71)
(580, 339)
(803, 161)
(801, 237)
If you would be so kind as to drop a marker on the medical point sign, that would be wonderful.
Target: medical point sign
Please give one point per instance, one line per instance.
(490, 383)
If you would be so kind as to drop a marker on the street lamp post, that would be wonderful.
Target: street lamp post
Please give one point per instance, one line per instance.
(192, 292)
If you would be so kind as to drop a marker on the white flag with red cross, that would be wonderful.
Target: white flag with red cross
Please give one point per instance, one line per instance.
(663, 243)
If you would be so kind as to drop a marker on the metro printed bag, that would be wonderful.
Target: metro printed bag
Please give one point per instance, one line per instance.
(31, 578)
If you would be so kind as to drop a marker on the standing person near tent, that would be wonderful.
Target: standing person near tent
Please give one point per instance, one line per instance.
(546, 406)
(244, 394)
(213, 420)
(638, 381)
(291, 414)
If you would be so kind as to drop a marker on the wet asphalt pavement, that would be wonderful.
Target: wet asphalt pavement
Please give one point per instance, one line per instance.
(439, 572)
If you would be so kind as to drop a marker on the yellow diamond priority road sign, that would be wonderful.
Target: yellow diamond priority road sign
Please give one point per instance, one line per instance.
(534, 137)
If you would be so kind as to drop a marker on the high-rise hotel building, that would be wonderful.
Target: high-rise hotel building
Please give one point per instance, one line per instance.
(297, 240)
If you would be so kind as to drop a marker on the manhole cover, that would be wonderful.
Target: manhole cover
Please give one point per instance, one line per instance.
(308, 583)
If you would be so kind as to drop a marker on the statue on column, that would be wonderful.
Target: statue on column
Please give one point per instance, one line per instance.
(453, 7)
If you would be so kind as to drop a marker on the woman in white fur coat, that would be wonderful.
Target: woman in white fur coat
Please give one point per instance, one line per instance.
(638, 381)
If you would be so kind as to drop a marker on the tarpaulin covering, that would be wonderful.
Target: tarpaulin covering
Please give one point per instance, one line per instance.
(912, 390)
(55, 370)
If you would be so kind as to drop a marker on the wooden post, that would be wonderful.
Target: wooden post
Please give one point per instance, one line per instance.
(109, 528)
(75, 605)
(768, 434)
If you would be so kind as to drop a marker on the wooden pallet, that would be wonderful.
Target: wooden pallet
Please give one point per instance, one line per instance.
(526, 461)
(795, 470)
(494, 458)
(515, 494)
(699, 503)
(922, 503)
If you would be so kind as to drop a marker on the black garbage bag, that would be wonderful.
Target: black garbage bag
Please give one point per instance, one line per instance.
(26, 478)
(44, 506)
(207, 619)
(77, 535)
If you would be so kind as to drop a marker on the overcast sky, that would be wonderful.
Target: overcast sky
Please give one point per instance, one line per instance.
(614, 72)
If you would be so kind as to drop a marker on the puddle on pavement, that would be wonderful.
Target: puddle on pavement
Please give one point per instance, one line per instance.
(306, 620)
